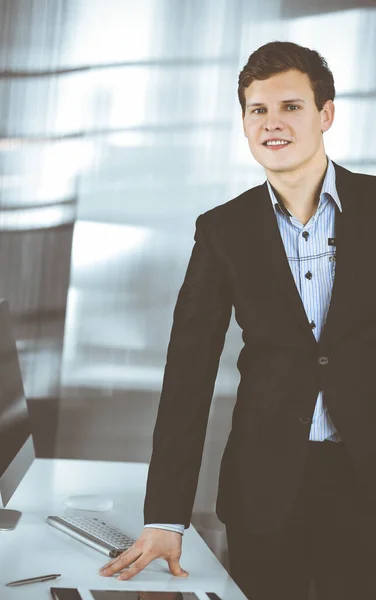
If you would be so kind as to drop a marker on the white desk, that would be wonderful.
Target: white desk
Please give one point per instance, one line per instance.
(35, 548)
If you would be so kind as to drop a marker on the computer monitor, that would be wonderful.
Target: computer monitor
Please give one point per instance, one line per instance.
(16, 444)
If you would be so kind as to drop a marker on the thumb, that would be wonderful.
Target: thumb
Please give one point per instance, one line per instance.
(175, 568)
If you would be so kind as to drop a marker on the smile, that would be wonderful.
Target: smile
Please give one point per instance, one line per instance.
(276, 144)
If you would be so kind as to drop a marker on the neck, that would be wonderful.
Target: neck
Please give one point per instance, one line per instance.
(300, 189)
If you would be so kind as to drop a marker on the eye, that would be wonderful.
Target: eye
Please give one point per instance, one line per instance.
(294, 107)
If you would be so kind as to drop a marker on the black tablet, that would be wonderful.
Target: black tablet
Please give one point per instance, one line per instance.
(74, 594)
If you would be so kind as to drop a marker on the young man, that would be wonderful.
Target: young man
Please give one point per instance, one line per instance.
(298, 476)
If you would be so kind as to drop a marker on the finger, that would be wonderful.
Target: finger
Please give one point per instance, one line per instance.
(122, 561)
(111, 562)
(103, 570)
(108, 564)
(136, 567)
(175, 568)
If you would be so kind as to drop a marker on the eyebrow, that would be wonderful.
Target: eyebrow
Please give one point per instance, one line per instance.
(282, 102)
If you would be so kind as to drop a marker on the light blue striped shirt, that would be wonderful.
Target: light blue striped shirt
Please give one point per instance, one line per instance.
(312, 263)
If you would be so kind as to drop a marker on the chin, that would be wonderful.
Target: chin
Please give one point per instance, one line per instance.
(278, 166)
(273, 162)
(283, 164)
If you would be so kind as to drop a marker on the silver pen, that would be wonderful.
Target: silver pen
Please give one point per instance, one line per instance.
(33, 580)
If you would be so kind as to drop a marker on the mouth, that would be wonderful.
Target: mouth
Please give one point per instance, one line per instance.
(276, 144)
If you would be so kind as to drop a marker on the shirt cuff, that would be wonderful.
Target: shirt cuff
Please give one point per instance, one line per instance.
(168, 526)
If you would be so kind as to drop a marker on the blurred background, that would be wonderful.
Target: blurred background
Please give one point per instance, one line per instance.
(119, 125)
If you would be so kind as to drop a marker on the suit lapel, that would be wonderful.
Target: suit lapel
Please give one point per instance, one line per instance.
(349, 229)
(274, 254)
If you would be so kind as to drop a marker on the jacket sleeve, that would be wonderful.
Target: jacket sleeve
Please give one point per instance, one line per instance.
(201, 319)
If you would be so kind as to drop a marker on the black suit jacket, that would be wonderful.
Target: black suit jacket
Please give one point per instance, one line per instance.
(239, 261)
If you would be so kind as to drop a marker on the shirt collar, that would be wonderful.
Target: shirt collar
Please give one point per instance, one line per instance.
(328, 187)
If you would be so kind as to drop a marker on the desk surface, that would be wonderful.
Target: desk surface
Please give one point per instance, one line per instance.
(35, 548)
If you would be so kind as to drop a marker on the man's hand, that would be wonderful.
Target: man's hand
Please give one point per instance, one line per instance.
(152, 543)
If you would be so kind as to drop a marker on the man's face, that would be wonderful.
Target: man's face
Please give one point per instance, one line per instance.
(268, 115)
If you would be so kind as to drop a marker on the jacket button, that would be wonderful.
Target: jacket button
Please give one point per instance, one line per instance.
(323, 360)
(305, 421)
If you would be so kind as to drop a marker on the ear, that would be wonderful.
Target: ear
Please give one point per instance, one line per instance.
(243, 123)
(327, 115)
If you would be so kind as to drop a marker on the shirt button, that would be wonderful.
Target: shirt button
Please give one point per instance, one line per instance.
(312, 324)
(305, 234)
(323, 360)
(308, 275)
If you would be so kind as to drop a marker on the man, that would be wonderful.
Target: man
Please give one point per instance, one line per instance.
(297, 480)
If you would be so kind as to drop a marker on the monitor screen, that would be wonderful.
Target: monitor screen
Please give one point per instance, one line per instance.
(15, 427)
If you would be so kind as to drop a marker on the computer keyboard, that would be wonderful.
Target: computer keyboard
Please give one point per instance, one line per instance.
(94, 532)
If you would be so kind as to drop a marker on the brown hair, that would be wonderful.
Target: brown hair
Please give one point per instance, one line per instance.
(277, 57)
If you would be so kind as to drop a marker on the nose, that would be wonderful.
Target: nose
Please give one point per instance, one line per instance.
(273, 122)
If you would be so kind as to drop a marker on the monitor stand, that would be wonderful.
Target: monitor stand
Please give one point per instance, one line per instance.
(9, 519)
